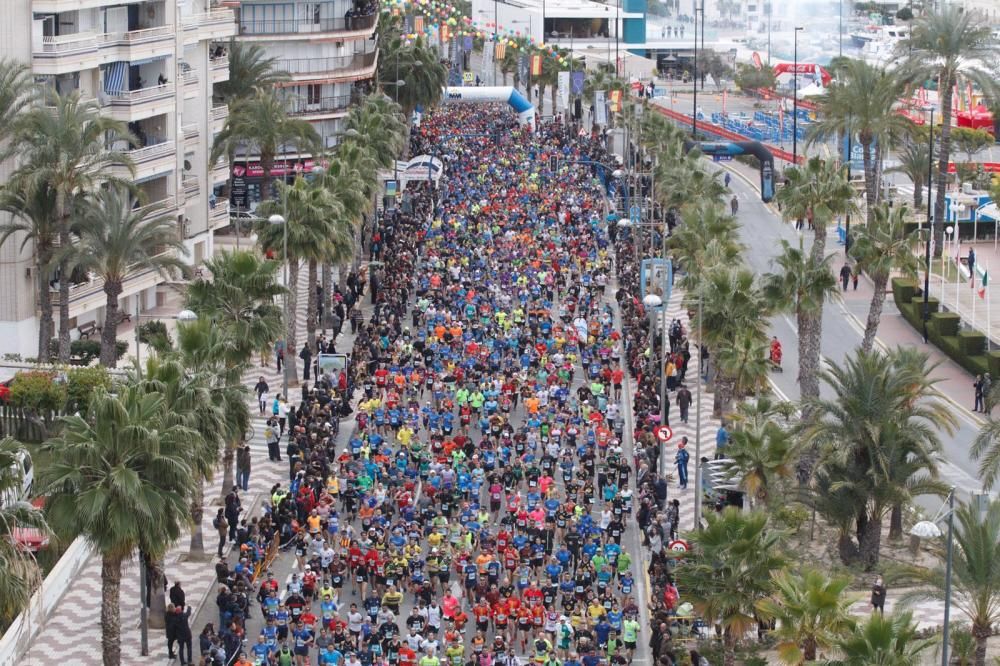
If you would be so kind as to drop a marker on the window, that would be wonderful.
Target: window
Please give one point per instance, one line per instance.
(313, 94)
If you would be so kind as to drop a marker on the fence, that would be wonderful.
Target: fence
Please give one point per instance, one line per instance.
(26, 424)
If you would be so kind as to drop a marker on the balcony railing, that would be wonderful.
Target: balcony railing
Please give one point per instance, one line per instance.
(219, 215)
(299, 106)
(300, 66)
(129, 97)
(220, 64)
(190, 77)
(95, 285)
(251, 26)
(216, 16)
(138, 36)
(190, 131)
(83, 42)
(191, 187)
(220, 112)
(152, 152)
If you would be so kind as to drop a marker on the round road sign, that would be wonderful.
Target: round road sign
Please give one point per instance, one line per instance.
(664, 433)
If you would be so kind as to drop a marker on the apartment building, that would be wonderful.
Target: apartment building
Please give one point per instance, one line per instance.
(151, 64)
(330, 50)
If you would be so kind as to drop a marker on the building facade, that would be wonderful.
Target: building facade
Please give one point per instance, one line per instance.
(152, 65)
(330, 51)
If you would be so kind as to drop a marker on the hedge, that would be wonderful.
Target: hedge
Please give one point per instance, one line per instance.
(967, 348)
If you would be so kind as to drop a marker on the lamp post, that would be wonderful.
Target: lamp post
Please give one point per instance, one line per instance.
(795, 97)
(703, 22)
(618, 13)
(651, 302)
(767, 7)
(694, 73)
(930, 225)
(183, 315)
(697, 429)
(289, 354)
(929, 529)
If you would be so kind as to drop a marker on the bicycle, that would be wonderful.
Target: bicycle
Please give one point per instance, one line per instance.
(249, 433)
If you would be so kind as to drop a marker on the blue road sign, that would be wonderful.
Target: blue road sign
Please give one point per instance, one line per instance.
(634, 213)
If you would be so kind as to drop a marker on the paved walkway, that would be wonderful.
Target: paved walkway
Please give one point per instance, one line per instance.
(71, 635)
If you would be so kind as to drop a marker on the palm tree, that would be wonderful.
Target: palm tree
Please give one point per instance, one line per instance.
(811, 611)
(417, 64)
(762, 453)
(64, 149)
(818, 187)
(946, 43)
(380, 124)
(860, 104)
(879, 438)
(240, 301)
(886, 640)
(882, 247)
(117, 236)
(975, 580)
(16, 90)
(22, 575)
(33, 210)
(742, 362)
(307, 210)
(249, 68)
(122, 479)
(260, 123)
(803, 286)
(705, 236)
(914, 159)
(729, 571)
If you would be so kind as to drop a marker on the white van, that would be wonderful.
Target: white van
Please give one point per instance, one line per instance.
(23, 469)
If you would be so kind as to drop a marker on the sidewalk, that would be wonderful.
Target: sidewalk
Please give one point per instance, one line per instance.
(71, 635)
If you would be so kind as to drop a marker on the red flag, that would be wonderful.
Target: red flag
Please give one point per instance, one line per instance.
(418, 24)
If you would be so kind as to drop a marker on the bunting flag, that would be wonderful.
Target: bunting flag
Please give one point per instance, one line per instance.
(501, 49)
(983, 284)
(418, 24)
(536, 65)
(616, 101)
(445, 32)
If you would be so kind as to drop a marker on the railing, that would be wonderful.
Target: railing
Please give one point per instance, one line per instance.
(190, 131)
(220, 64)
(66, 44)
(249, 26)
(298, 105)
(155, 151)
(220, 112)
(219, 214)
(190, 77)
(129, 97)
(191, 187)
(299, 66)
(208, 18)
(137, 36)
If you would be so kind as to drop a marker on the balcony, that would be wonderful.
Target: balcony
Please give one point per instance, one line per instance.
(269, 29)
(220, 171)
(63, 54)
(218, 217)
(150, 161)
(192, 188)
(190, 78)
(349, 67)
(216, 24)
(191, 134)
(217, 117)
(134, 105)
(219, 69)
(324, 106)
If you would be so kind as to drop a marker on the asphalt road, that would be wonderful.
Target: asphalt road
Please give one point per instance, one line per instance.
(762, 232)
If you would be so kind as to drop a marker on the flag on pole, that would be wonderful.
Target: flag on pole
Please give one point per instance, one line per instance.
(418, 24)
(501, 49)
(536, 65)
(958, 250)
(616, 101)
(445, 32)
(985, 281)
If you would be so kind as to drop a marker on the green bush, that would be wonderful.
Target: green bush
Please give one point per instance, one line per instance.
(945, 323)
(80, 384)
(85, 351)
(154, 333)
(37, 390)
(973, 343)
(903, 290)
(993, 361)
(121, 348)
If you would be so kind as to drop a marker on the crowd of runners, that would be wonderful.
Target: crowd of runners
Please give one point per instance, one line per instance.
(480, 513)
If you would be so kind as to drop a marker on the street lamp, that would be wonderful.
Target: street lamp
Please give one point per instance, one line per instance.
(278, 219)
(930, 224)
(651, 303)
(183, 315)
(795, 97)
(694, 72)
(928, 529)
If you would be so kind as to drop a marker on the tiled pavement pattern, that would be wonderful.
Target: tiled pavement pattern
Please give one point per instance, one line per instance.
(71, 635)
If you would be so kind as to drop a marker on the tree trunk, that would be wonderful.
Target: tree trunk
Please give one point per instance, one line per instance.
(111, 625)
(292, 343)
(918, 194)
(871, 542)
(809, 649)
(228, 478)
(311, 305)
(944, 148)
(981, 634)
(874, 312)
(157, 594)
(846, 549)
(809, 354)
(64, 278)
(896, 523)
(46, 325)
(109, 335)
(266, 165)
(196, 551)
(871, 192)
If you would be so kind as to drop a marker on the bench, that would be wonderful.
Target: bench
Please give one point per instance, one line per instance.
(88, 329)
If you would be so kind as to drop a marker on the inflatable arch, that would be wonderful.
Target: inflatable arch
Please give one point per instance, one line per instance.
(525, 109)
(755, 148)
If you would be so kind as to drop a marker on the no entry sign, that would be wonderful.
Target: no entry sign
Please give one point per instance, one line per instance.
(664, 433)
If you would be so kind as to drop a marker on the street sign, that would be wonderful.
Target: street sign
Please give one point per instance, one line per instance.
(678, 546)
(634, 213)
(664, 433)
(468, 78)
(722, 158)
